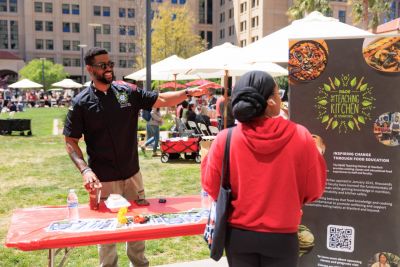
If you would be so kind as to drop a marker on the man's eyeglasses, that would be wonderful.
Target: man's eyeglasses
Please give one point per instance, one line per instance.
(103, 65)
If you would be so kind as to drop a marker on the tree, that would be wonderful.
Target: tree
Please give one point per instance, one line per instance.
(369, 12)
(302, 8)
(52, 72)
(173, 33)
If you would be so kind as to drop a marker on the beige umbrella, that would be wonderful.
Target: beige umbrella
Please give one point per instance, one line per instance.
(25, 84)
(275, 46)
(67, 83)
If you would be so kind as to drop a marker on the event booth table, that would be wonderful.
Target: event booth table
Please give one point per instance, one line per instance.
(29, 227)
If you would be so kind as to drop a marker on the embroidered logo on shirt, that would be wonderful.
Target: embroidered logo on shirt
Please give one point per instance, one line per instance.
(122, 98)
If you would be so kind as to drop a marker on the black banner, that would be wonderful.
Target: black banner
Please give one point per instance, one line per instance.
(347, 93)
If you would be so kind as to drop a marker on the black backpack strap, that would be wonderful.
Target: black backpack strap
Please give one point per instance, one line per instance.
(225, 172)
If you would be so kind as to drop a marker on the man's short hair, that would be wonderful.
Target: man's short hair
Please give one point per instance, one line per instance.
(92, 52)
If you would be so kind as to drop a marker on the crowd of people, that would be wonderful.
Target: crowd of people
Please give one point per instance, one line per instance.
(17, 100)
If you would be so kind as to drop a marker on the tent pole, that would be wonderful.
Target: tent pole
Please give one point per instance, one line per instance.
(225, 99)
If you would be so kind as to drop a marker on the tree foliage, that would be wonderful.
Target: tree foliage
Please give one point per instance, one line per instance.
(52, 72)
(173, 33)
(369, 12)
(302, 8)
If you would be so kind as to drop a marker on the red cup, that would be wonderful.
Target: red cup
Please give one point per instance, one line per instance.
(93, 199)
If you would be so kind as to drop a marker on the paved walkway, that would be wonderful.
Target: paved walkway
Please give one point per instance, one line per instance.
(201, 263)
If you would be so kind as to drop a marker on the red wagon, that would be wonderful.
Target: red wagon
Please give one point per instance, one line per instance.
(173, 147)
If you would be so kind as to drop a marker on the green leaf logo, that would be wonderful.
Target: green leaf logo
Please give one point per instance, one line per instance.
(350, 124)
(353, 82)
(361, 119)
(363, 87)
(334, 124)
(327, 87)
(323, 102)
(337, 82)
(325, 118)
(366, 103)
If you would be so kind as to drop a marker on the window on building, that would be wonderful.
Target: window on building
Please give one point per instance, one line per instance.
(38, 7)
(222, 17)
(49, 45)
(222, 2)
(66, 27)
(65, 9)
(75, 27)
(342, 16)
(106, 11)
(106, 29)
(66, 45)
(75, 45)
(209, 40)
(75, 9)
(67, 62)
(13, 7)
(49, 26)
(231, 30)
(231, 13)
(210, 12)
(3, 34)
(76, 62)
(131, 63)
(254, 38)
(182, 2)
(243, 7)
(202, 11)
(243, 43)
(107, 46)
(222, 34)
(131, 47)
(96, 10)
(48, 7)
(14, 34)
(131, 13)
(254, 22)
(38, 25)
(253, 3)
(122, 12)
(3, 5)
(122, 47)
(39, 44)
(122, 63)
(122, 30)
(243, 26)
(174, 1)
(131, 30)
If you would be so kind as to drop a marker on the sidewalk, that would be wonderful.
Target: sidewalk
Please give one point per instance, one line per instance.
(200, 263)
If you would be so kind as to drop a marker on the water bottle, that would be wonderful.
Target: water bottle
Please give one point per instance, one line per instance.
(205, 200)
(72, 204)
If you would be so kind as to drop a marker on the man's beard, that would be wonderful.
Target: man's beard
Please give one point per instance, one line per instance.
(103, 79)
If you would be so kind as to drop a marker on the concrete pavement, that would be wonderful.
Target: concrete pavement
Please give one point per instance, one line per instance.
(200, 263)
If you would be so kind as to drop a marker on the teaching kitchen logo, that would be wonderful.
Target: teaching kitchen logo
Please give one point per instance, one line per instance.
(344, 103)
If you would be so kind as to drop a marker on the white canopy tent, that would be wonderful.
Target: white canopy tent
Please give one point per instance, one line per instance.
(164, 70)
(67, 83)
(275, 46)
(25, 84)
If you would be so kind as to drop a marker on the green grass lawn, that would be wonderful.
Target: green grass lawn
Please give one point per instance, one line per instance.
(35, 170)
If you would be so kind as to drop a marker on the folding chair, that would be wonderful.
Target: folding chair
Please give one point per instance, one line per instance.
(181, 128)
(193, 126)
(203, 129)
(214, 130)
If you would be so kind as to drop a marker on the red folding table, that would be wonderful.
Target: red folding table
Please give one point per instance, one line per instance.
(28, 226)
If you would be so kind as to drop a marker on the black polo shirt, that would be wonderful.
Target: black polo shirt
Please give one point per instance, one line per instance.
(108, 123)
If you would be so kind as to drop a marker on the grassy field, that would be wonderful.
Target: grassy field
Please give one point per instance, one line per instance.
(35, 171)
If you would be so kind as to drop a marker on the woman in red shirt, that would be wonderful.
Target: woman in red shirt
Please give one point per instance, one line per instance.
(275, 168)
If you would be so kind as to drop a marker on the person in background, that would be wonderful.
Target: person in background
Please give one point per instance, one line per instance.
(212, 100)
(275, 168)
(203, 117)
(180, 108)
(190, 114)
(106, 115)
(154, 125)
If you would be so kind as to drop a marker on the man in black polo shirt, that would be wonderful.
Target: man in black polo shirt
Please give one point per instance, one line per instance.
(106, 114)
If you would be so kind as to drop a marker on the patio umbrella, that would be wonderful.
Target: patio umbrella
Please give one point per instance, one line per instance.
(172, 85)
(25, 84)
(275, 46)
(197, 82)
(67, 83)
(164, 71)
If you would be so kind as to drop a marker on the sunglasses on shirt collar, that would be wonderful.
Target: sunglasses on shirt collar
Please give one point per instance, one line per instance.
(103, 65)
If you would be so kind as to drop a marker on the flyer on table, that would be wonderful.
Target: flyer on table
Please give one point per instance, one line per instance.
(347, 93)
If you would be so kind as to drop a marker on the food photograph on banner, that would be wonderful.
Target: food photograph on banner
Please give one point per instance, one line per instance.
(346, 92)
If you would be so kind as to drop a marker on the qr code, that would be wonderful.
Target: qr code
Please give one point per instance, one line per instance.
(340, 238)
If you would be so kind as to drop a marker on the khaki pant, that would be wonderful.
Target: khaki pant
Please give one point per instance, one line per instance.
(131, 189)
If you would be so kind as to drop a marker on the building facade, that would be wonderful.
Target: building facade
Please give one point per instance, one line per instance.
(61, 31)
